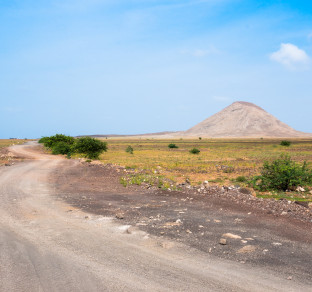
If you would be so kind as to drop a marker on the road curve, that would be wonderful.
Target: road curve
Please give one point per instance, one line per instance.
(47, 245)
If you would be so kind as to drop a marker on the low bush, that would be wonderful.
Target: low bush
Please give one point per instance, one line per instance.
(91, 147)
(285, 143)
(171, 146)
(282, 174)
(129, 149)
(194, 151)
(62, 148)
(51, 141)
(241, 179)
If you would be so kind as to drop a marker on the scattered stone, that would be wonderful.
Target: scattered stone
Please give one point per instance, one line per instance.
(300, 189)
(217, 221)
(247, 249)
(119, 216)
(188, 231)
(230, 235)
(303, 204)
(289, 278)
(276, 243)
(245, 191)
(222, 241)
(284, 213)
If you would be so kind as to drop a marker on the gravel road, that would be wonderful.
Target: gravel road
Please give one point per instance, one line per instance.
(47, 245)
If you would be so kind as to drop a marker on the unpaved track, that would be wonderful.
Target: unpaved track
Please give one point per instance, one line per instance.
(44, 247)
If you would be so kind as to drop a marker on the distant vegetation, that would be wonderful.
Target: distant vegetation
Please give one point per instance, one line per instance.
(129, 149)
(172, 146)
(61, 144)
(194, 151)
(285, 143)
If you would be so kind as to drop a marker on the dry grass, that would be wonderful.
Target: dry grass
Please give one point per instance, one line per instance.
(219, 160)
(6, 143)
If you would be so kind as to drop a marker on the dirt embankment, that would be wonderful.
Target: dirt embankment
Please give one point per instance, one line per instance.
(229, 224)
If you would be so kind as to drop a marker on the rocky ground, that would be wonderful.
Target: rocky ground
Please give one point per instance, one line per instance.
(226, 222)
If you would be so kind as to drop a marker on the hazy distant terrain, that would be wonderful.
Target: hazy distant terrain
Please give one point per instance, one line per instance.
(239, 120)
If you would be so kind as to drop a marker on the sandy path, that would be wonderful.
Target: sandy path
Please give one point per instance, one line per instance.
(44, 247)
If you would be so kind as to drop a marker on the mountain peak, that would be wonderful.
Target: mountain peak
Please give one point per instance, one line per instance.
(243, 119)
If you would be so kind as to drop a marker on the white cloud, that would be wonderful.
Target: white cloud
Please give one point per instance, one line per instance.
(291, 56)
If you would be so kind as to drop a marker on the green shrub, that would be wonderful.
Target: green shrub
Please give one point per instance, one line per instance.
(282, 174)
(171, 146)
(285, 143)
(194, 151)
(241, 179)
(91, 147)
(129, 149)
(62, 148)
(51, 141)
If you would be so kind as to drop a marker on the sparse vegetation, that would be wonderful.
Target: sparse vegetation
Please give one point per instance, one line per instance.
(246, 156)
(194, 151)
(282, 174)
(285, 143)
(172, 146)
(241, 179)
(129, 149)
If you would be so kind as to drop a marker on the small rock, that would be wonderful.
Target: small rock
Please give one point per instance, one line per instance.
(289, 278)
(222, 241)
(276, 243)
(300, 189)
(231, 235)
(284, 213)
(119, 216)
(247, 249)
(188, 231)
(244, 241)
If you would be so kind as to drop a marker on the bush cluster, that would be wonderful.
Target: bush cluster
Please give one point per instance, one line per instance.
(172, 146)
(61, 144)
(194, 151)
(285, 143)
(282, 174)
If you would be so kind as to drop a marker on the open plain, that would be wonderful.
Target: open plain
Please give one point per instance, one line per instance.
(68, 225)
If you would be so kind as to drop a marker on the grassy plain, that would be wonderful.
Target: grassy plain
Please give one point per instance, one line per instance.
(220, 161)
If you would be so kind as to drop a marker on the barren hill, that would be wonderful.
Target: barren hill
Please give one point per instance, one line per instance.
(243, 119)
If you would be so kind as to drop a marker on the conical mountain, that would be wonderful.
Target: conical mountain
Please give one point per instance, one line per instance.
(243, 119)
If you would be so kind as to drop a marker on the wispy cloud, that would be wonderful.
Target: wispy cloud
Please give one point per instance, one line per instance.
(291, 56)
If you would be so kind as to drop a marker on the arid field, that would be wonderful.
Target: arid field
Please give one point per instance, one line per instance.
(220, 161)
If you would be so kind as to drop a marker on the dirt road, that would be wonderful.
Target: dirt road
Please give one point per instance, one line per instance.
(48, 245)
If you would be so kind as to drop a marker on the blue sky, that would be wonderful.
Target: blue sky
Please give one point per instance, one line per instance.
(135, 66)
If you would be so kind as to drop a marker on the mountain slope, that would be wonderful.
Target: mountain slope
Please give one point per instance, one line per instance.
(243, 119)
